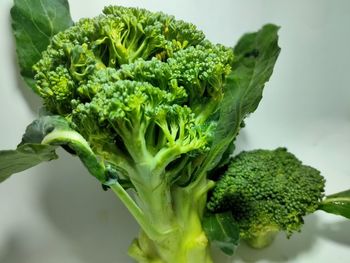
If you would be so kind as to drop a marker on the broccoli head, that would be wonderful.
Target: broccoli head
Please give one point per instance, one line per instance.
(267, 192)
(120, 36)
(141, 87)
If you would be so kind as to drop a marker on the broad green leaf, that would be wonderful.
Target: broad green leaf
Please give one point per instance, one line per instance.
(222, 231)
(255, 57)
(24, 157)
(39, 143)
(34, 23)
(338, 204)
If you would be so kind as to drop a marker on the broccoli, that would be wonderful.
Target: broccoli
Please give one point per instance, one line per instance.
(128, 82)
(151, 107)
(267, 192)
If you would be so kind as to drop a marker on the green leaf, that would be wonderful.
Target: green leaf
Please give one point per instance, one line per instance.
(255, 57)
(338, 204)
(30, 152)
(222, 231)
(39, 143)
(40, 128)
(24, 157)
(34, 23)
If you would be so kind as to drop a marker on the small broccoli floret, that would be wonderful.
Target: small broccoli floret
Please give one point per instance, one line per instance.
(267, 192)
(155, 72)
(202, 70)
(149, 31)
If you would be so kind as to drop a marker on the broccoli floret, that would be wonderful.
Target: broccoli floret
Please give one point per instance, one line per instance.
(120, 36)
(202, 71)
(267, 192)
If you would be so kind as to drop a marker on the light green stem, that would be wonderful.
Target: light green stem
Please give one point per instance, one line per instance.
(133, 208)
(263, 239)
(185, 242)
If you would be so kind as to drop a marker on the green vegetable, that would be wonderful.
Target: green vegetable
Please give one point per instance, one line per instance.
(143, 100)
(151, 108)
(270, 191)
(222, 231)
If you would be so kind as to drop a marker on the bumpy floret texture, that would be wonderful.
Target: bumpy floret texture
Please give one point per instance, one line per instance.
(135, 83)
(122, 36)
(268, 190)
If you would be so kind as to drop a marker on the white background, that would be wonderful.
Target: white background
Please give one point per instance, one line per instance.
(57, 213)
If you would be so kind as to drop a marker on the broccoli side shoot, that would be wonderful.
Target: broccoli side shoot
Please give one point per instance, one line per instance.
(267, 192)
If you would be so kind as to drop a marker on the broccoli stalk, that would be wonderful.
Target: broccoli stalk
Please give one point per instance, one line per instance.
(179, 236)
(262, 238)
(169, 215)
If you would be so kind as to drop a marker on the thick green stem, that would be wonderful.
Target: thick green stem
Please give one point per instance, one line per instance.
(134, 209)
(189, 245)
(169, 215)
(154, 197)
(263, 239)
(182, 238)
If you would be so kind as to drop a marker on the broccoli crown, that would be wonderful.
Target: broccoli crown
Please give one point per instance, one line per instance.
(122, 36)
(267, 191)
(137, 85)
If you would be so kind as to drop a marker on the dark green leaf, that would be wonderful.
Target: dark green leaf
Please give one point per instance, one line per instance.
(255, 57)
(24, 157)
(30, 152)
(338, 204)
(222, 231)
(34, 22)
(39, 142)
